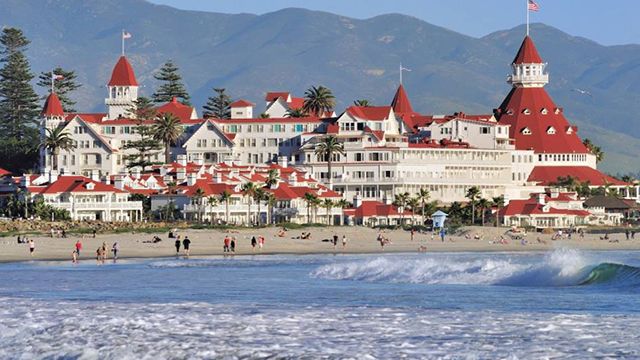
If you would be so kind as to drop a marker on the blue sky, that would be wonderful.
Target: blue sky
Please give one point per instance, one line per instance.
(599, 20)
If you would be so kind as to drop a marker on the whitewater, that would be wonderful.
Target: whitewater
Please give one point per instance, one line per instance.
(563, 304)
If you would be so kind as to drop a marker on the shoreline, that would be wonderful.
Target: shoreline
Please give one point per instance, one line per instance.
(360, 240)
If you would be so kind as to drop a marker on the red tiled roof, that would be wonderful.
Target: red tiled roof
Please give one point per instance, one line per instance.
(544, 175)
(401, 103)
(180, 110)
(90, 118)
(532, 207)
(307, 119)
(52, 106)
(296, 103)
(376, 208)
(527, 54)
(123, 74)
(535, 101)
(374, 113)
(66, 184)
(273, 96)
(241, 103)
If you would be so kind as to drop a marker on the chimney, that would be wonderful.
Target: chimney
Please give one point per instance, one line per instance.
(163, 171)
(118, 182)
(357, 201)
(25, 181)
(107, 180)
(217, 177)
(135, 172)
(53, 176)
(542, 198)
(554, 193)
(191, 179)
(283, 161)
(95, 175)
(293, 179)
(182, 160)
(181, 175)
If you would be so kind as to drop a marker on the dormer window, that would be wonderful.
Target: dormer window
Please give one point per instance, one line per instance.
(525, 131)
(544, 111)
(91, 186)
(569, 130)
(510, 112)
(557, 111)
(551, 130)
(526, 111)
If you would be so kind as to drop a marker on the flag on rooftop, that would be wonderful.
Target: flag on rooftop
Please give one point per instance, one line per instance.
(533, 6)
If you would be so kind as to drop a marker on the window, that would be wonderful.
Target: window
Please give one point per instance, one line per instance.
(551, 130)
(299, 128)
(544, 111)
(359, 157)
(526, 111)
(525, 131)
(485, 130)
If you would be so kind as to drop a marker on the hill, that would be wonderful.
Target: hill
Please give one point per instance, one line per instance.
(293, 49)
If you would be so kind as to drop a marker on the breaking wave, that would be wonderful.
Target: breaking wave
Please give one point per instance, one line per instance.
(559, 268)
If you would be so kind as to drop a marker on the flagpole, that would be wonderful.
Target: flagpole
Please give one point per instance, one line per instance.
(52, 81)
(400, 73)
(527, 4)
(122, 36)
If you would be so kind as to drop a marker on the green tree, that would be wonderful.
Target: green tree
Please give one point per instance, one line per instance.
(197, 201)
(473, 193)
(499, 202)
(259, 196)
(594, 149)
(249, 191)
(311, 200)
(63, 87)
(271, 203)
(328, 205)
(225, 196)
(401, 201)
(423, 196)
(167, 129)
(483, 205)
(362, 102)
(325, 149)
(146, 145)
(318, 100)
(218, 105)
(212, 202)
(273, 177)
(295, 113)
(264, 116)
(56, 140)
(342, 204)
(19, 107)
(170, 85)
(414, 204)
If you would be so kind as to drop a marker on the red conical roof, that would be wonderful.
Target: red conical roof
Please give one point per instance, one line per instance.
(537, 123)
(123, 74)
(528, 54)
(401, 103)
(52, 106)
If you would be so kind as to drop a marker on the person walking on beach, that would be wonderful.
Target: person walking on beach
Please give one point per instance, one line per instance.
(115, 248)
(413, 233)
(335, 241)
(78, 247)
(225, 244)
(261, 242)
(104, 251)
(32, 247)
(254, 242)
(177, 244)
(442, 234)
(74, 256)
(185, 244)
(233, 244)
(344, 241)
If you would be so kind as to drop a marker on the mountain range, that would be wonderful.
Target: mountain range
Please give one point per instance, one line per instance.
(293, 49)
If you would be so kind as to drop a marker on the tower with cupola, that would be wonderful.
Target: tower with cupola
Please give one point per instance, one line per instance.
(122, 90)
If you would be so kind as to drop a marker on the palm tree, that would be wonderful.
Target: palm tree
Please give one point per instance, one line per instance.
(362, 102)
(264, 116)
(594, 149)
(271, 203)
(483, 204)
(225, 197)
(310, 199)
(295, 113)
(414, 204)
(328, 204)
(211, 202)
(56, 140)
(342, 204)
(455, 210)
(401, 202)
(273, 176)
(498, 201)
(259, 196)
(249, 191)
(423, 196)
(167, 129)
(318, 100)
(325, 149)
(197, 199)
(473, 193)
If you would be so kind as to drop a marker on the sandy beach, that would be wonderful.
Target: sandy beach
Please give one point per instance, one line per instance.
(359, 240)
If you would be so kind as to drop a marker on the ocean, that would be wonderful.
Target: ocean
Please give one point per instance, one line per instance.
(563, 304)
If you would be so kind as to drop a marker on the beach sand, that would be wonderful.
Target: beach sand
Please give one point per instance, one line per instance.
(360, 240)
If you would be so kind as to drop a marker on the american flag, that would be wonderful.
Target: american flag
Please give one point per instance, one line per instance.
(127, 35)
(533, 6)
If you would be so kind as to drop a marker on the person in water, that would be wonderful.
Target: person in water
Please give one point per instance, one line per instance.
(115, 248)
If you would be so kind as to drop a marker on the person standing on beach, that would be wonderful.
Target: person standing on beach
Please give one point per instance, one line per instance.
(32, 247)
(344, 241)
(79, 246)
(335, 241)
(185, 244)
(177, 244)
(104, 251)
(261, 242)
(442, 234)
(254, 242)
(413, 233)
(74, 256)
(115, 248)
(233, 244)
(225, 244)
